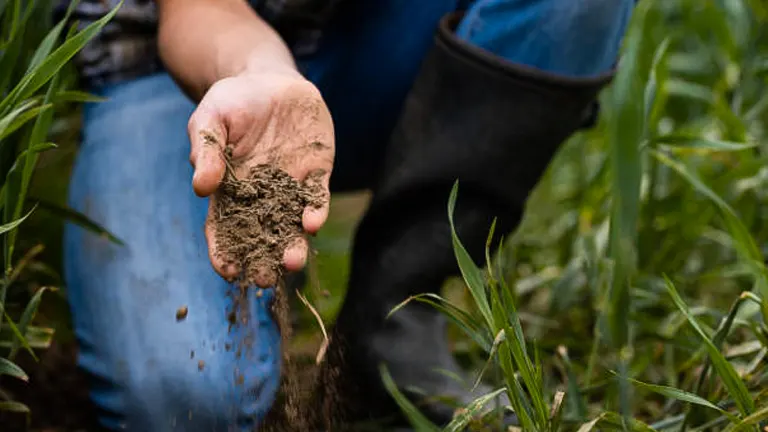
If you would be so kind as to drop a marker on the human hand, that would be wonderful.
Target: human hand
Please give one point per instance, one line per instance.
(264, 117)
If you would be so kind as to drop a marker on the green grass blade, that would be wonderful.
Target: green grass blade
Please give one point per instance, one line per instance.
(681, 395)
(21, 173)
(37, 337)
(682, 141)
(626, 130)
(590, 425)
(77, 218)
(12, 225)
(46, 46)
(27, 316)
(11, 406)
(500, 337)
(14, 25)
(690, 90)
(573, 395)
(7, 367)
(473, 277)
(76, 96)
(17, 334)
(655, 90)
(419, 422)
(463, 320)
(724, 369)
(11, 118)
(22, 119)
(465, 416)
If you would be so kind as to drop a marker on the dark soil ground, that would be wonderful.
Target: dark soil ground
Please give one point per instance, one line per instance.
(57, 393)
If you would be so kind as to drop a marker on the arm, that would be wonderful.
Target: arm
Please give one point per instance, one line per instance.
(204, 41)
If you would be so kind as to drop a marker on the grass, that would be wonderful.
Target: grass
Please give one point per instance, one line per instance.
(632, 297)
(36, 86)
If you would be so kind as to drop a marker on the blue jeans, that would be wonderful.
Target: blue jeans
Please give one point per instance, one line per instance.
(152, 372)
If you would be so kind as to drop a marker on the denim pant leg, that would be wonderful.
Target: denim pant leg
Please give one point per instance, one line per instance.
(570, 37)
(150, 371)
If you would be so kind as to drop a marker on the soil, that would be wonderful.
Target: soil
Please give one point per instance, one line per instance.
(258, 217)
(255, 220)
(56, 394)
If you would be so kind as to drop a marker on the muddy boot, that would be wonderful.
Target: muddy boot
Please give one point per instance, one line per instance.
(492, 125)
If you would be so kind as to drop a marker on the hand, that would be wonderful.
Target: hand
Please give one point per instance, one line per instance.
(275, 117)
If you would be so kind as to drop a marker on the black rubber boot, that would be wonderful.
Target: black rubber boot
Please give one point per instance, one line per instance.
(490, 124)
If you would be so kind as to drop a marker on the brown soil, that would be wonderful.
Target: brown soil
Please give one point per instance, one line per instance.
(258, 217)
(255, 220)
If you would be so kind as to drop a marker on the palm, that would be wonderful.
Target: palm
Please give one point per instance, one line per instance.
(280, 120)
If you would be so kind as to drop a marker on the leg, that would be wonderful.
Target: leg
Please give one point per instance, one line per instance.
(490, 121)
(150, 370)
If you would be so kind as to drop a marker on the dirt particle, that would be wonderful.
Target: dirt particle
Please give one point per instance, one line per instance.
(192, 354)
(240, 379)
(209, 138)
(181, 313)
(200, 365)
(319, 146)
(228, 347)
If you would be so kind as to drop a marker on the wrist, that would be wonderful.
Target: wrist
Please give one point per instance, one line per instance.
(263, 63)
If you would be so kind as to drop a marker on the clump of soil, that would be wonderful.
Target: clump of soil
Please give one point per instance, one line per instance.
(256, 218)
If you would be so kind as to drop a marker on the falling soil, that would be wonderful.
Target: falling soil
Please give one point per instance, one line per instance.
(255, 219)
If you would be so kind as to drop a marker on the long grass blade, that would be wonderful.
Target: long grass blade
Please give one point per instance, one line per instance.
(416, 418)
(7, 367)
(17, 334)
(77, 218)
(473, 277)
(12, 225)
(681, 395)
(27, 316)
(463, 320)
(471, 412)
(725, 370)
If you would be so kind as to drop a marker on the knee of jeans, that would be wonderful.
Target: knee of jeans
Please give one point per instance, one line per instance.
(215, 394)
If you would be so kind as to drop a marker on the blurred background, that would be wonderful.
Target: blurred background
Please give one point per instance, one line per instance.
(661, 205)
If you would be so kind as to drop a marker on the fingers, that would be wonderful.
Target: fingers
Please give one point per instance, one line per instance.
(208, 138)
(295, 255)
(314, 217)
(227, 270)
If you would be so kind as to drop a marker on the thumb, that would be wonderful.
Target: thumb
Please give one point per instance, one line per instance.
(208, 138)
